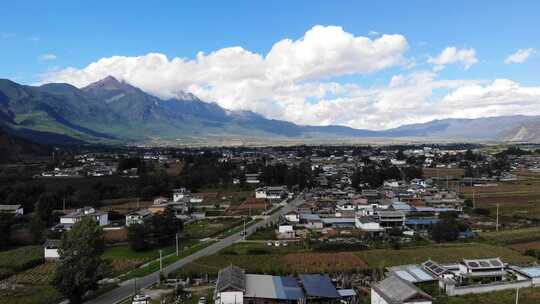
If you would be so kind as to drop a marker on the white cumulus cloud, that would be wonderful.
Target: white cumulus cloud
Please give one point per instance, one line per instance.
(236, 78)
(295, 81)
(451, 55)
(520, 56)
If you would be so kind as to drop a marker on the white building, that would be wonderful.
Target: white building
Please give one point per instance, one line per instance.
(50, 250)
(292, 217)
(252, 178)
(70, 219)
(368, 223)
(179, 194)
(230, 286)
(285, 228)
(137, 217)
(271, 192)
(12, 209)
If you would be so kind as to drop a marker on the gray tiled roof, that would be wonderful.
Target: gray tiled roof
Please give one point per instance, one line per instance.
(396, 291)
(231, 278)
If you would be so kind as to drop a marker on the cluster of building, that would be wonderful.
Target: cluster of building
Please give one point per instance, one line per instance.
(234, 286)
(183, 203)
(404, 284)
(85, 165)
(413, 207)
(470, 276)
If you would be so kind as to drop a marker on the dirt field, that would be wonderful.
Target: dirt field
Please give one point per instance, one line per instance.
(518, 200)
(443, 172)
(124, 206)
(323, 262)
(522, 247)
(115, 236)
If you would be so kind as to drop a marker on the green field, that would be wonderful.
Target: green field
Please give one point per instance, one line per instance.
(154, 265)
(257, 257)
(125, 251)
(526, 296)
(38, 294)
(514, 236)
(381, 258)
(264, 233)
(22, 258)
(209, 227)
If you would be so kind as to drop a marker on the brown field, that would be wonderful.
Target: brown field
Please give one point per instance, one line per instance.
(115, 236)
(124, 265)
(22, 236)
(443, 172)
(124, 205)
(39, 275)
(522, 247)
(174, 168)
(252, 203)
(323, 262)
(526, 173)
(517, 200)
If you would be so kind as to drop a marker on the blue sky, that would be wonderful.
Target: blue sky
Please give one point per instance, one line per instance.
(37, 37)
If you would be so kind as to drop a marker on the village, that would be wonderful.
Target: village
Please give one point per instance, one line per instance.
(392, 224)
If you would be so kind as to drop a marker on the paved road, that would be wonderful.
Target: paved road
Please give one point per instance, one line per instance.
(126, 288)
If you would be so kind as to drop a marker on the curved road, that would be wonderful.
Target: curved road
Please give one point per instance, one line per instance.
(126, 288)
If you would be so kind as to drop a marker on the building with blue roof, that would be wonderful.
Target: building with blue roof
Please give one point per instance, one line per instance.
(234, 286)
(318, 287)
(421, 223)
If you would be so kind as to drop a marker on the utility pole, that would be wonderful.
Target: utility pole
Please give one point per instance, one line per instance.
(474, 199)
(244, 234)
(160, 264)
(497, 225)
(177, 244)
(517, 295)
(64, 204)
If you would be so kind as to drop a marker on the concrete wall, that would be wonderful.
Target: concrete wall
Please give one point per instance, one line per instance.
(463, 290)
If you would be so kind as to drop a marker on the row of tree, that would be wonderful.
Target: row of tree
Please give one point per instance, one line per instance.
(375, 175)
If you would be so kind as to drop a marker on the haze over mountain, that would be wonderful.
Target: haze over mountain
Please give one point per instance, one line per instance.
(117, 112)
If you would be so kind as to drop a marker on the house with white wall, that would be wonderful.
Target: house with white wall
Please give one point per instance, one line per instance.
(12, 209)
(50, 250)
(71, 218)
(137, 217)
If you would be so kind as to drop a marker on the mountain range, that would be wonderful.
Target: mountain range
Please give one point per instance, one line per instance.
(112, 111)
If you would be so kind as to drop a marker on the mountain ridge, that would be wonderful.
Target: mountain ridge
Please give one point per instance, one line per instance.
(114, 111)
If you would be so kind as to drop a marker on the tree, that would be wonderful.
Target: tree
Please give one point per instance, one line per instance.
(400, 155)
(45, 206)
(37, 226)
(81, 265)
(445, 231)
(137, 237)
(5, 230)
(163, 228)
